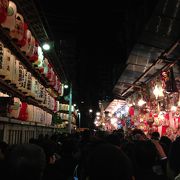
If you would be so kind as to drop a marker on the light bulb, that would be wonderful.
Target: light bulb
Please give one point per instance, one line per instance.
(141, 102)
(173, 108)
(46, 47)
(158, 91)
(113, 120)
(65, 86)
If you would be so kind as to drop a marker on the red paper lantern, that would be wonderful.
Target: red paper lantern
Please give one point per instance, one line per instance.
(3, 10)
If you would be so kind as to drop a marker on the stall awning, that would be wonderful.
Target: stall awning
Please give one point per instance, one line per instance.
(115, 105)
(156, 49)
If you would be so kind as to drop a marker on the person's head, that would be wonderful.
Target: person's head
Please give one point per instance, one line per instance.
(114, 139)
(106, 161)
(69, 147)
(166, 140)
(50, 149)
(26, 162)
(155, 135)
(174, 156)
(138, 134)
(145, 154)
(165, 143)
(3, 149)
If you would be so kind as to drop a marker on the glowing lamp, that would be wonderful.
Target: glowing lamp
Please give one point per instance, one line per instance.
(173, 108)
(66, 86)
(46, 46)
(113, 120)
(109, 114)
(118, 115)
(141, 102)
(158, 92)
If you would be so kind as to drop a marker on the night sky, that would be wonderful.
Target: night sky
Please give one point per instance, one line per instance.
(98, 39)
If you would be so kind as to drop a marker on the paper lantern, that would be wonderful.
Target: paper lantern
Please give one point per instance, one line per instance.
(40, 62)
(31, 46)
(15, 108)
(30, 111)
(37, 90)
(45, 67)
(3, 10)
(7, 63)
(34, 57)
(10, 21)
(41, 93)
(2, 61)
(18, 32)
(23, 115)
(20, 77)
(22, 41)
(49, 73)
(28, 83)
(16, 75)
(56, 87)
(33, 90)
(27, 39)
(12, 69)
(24, 81)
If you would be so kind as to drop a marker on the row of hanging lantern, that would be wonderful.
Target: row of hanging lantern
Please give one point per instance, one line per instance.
(13, 22)
(13, 71)
(24, 111)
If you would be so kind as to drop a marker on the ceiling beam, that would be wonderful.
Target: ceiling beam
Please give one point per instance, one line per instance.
(164, 54)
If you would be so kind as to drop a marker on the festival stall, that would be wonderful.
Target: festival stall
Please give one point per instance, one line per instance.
(155, 106)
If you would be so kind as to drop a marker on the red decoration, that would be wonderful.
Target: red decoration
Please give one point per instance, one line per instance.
(53, 80)
(23, 115)
(122, 122)
(3, 10)
(163, 130)
(34, 57)
(49, 73)
(22, 42)
(131, 111)
(41, 69)
(166, 120)
(169, 82)
(150, 121)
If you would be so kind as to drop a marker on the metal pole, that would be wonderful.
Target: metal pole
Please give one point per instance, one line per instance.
(70, 108)
(79, 119)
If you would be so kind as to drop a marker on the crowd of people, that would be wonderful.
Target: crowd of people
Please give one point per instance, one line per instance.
(92, 155)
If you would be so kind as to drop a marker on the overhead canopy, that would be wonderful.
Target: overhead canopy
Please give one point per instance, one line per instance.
(157, 49)
(115, 105)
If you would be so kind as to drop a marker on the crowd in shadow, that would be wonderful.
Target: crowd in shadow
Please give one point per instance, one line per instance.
(93, 155)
